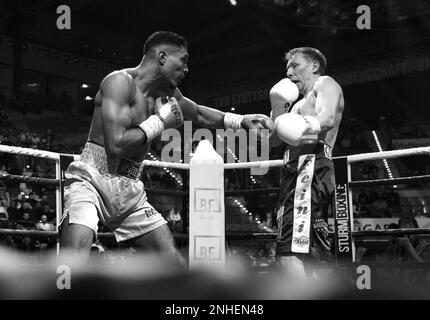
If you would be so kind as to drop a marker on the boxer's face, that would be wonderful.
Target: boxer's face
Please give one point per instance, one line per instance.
(175, 67)
(300, 70)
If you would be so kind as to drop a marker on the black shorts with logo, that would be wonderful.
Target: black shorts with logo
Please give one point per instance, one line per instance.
(321, 201)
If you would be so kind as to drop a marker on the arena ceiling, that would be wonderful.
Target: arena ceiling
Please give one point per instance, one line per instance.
(115, 31)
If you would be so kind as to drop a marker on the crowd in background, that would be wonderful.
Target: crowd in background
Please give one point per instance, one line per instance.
(27, 206)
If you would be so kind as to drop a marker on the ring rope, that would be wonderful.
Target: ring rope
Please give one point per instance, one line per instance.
(401, 180)
(235, 235)
(395, 264)
(360, 183)
(388, 154)
(180, 236)
(166, 192)
(166, 165)
(241, 165)
(251, 191)
(17, 178)
(390, 232)
(42, 233)
(34, 152)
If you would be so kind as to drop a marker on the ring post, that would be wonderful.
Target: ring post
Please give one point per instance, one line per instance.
(207, 215)
(61, 166)
(342, 214)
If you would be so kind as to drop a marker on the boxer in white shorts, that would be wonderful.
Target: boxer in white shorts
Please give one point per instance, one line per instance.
(132, 107)
(119, 202)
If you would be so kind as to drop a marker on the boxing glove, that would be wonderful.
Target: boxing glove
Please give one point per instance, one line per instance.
(294, 128)
(168, 115)
(282, 96)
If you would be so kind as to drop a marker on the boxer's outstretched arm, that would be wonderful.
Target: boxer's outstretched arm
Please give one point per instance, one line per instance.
(327, 103)
(202, 116)
(117, 91)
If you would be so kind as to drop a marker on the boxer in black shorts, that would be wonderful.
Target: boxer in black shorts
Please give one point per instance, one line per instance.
(309, 127)
(321, 198)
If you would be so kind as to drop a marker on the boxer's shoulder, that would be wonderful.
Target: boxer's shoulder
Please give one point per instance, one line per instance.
(119, 76)
(119, 84)
(326, 82)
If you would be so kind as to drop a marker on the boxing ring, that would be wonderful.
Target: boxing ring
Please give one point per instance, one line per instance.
(344, 234)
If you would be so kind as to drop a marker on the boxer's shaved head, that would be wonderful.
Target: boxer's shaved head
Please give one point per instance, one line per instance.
(311, 54)
(163, 38)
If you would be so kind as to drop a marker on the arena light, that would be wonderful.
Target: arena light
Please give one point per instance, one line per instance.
(233, 2)
(88, 98)
(84, 86)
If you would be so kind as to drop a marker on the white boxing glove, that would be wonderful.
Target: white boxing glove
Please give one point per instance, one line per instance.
(293, 128)
(168, 115)
(282, 96)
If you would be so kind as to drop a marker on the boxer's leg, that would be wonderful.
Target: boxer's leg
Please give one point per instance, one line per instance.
(292, 266)
(79, 227)
(161, 240)
(76, 237)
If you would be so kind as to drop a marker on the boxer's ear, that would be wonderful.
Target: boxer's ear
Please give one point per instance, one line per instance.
(315, 66)
(162, 56)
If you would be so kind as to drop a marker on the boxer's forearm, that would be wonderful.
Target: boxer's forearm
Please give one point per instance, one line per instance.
(128, 142)
(326, 121)
(208, 117)
(201, 116)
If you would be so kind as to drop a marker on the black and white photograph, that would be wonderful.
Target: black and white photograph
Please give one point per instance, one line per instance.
(216, 157)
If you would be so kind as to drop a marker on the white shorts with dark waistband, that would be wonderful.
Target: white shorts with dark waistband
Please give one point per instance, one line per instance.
(96, 194)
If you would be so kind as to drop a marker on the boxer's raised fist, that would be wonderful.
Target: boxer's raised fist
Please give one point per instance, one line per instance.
(282, 96)
(168, 110)
(168, 114)
(293, 128)
(258, 122)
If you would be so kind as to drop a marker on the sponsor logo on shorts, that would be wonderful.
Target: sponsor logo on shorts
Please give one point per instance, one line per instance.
(301, 241)
(150, 212)
(327, 151)
(301, 227)
(128, 168)
(302, 204)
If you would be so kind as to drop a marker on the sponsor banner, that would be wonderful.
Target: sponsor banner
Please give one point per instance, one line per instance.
(240, 98)
(411, 65)
(365, 224)
(410, 143)
(342, 222)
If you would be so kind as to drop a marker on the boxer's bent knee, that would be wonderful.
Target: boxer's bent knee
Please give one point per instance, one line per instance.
(162, 241)
(78, 228)
(159, 239)
(76, 236)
